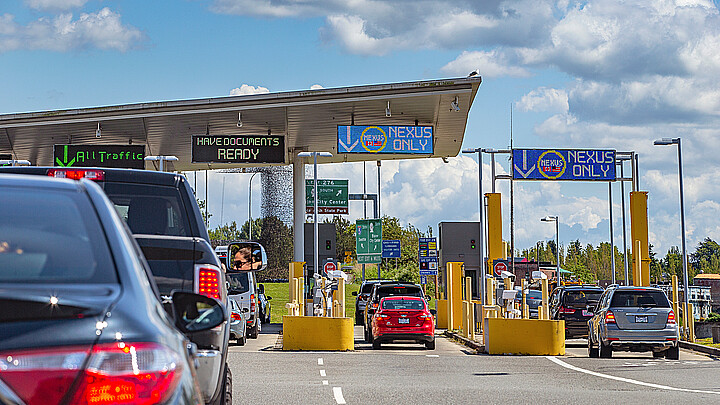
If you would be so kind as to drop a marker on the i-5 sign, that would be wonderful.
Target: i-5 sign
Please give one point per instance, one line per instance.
(368, 240)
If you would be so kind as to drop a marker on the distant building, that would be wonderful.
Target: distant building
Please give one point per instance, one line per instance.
(712, 281)
(700, 298)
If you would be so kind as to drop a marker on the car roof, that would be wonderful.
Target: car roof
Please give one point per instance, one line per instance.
(111, 174)
(19, 180)
(582, 288)
(634, 287)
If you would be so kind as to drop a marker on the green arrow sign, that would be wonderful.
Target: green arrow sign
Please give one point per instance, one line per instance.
(332, 196)
(368, 240)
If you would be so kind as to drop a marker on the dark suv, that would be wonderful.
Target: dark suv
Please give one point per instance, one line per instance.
(161, 211)
(361, 298)
(386, 289)
(570, 303)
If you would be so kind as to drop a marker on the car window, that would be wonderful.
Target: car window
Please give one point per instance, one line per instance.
(639, 298)
(239, 282)
(398, 290)
(149, 209)
(403, 304)
(581, 297)
(52, 236)
(367, 288)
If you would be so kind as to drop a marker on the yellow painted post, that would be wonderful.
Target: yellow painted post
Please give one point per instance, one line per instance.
(341, 297)
(525, 313)
(541, 312)
(454, 294)
(470, 309)
(639, 233)
(449, 293)
(545, 306)
(494, 221)
(490, 291)
(675, 298)
(691, 323)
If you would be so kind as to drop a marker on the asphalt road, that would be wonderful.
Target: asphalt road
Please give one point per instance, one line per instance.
(409, 374)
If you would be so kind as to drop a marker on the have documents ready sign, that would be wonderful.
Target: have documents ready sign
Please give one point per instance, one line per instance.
(238, 149)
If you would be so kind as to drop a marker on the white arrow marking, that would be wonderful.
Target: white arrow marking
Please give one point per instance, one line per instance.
(523, 171)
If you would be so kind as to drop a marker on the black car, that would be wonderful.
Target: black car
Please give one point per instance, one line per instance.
(361, 298)
(571, 304)
(264, 303)
(81, 318)
(161, 211)
(386, 289)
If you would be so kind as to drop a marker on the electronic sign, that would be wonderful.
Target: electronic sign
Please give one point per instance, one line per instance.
(111, 156)
(238, 149)
(397, 139)
(563, 164)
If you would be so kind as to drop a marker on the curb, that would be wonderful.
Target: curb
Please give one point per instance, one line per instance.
(700, 348)
(465, 341)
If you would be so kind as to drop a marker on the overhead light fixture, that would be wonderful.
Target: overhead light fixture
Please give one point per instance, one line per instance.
(455, 104)
(388, 113)
(239, 123)
(98, 131)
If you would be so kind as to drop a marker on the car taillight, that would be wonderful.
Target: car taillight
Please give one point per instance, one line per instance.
(671, 318)
(235, 316)
(382, 316)
(609, 317)
(116, 373)
(252, 302)
(374, 305)
(77, 174)
(208, 281)
(564, 310)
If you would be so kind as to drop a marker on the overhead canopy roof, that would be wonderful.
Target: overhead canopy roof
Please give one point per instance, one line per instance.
(307, 119)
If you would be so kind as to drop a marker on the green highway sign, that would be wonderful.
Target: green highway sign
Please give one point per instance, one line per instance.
(368, 240)
(120, 156)
(332, 196)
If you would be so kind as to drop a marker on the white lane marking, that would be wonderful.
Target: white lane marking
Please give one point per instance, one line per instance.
(627, 380)
(322, 373)
(432, 355)
(320, 361)
(325, 382)
(337, 393)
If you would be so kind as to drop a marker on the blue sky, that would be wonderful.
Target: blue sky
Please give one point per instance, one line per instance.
(579, 74)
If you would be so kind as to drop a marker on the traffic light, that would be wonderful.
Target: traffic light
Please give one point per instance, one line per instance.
(327, 244)
(472, 243)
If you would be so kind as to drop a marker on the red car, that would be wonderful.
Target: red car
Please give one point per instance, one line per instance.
(403, 318)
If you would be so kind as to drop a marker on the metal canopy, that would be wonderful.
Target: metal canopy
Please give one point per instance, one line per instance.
(308, 119)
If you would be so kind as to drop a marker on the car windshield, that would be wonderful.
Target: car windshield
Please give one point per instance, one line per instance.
(239, 282)
(640, 298)
(581, 298)
(530, 294)
(51, 236)
(403, 304)
(408, 290)
(366, 288)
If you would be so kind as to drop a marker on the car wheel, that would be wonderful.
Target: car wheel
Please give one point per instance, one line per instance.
(593, 352)
(242, 340)
(267, 319)
(367, 336)
(430, 345)
(259, 326)
(605, 351)
(252, 333)
(673, 353)
(358, 319)
(376, 344)
(225, 397)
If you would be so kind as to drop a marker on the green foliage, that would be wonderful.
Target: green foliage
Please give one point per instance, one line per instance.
(206, 215)
(713, 317)
(277, 239)
(706, 257)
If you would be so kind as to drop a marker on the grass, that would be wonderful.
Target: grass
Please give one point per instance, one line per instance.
(280, 292)
(707, 342)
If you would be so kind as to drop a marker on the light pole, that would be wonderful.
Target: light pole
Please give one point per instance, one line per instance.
(250, 206)
(316, 272)
(676, 141)
(479, 152)
(554, 218)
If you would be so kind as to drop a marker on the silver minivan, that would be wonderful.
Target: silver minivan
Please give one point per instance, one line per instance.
(635, 319)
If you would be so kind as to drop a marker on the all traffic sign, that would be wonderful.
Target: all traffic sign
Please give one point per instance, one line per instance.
(499, 268)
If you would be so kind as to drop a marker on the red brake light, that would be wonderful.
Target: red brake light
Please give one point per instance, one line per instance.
(252, 302)
(609, 317)
(77, 174)
(208, 281)
(564, 310)
(671, 318)
(138, 373)
(235, 316)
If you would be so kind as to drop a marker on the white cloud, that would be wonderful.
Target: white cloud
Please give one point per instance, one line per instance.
(544, 99)
(316, 87)
(490, 64)
(246, 90)
(56, 5)
(102, 30)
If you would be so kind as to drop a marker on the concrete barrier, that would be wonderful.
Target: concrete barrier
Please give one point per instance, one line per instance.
(524, 336)
(318, 333)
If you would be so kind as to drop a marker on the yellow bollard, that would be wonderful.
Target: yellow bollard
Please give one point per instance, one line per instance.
(470, 308)
(691, 323)
(545, 306)
(341, 297)
(494, 224)
(525, 312)
(490, 291)
(675, 298)
(454, 294)
(639, 233)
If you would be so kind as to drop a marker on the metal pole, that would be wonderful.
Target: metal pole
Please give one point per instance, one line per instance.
(622, 191)
(686, 291)
(483, 264)
(612, 240)
(250, 206)
(222, 203)
(378, 197)
(492, 163)
(206, 199)
(557, 247)
(315, 222)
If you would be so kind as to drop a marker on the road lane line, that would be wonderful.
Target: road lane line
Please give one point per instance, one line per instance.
(432, 355)
(322, 373)
(325, 382)
(320, 361)
(626, 380)
(337, 393)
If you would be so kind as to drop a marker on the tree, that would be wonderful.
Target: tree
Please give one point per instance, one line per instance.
(672, 263)
(706, 258)
(277, 239)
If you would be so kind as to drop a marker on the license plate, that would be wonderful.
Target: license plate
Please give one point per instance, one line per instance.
(587, 313)
(403, 320)
(641, 319)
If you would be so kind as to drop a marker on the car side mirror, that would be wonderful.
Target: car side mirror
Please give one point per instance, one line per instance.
(428, 298)
(354, 293)
(267, 297)
(195, 312)
(246, 256)
(433, 312)
(261, 288)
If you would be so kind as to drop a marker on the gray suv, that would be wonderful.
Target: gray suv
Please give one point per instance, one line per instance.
(634, 319)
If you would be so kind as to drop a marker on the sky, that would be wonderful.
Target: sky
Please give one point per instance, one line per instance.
(576, 74)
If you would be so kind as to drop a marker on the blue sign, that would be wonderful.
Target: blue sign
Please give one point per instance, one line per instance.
(563, 164)
(413, 140)
(427, 256)
(423, 279)
(391, 249)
